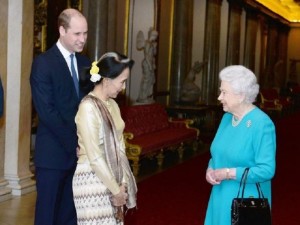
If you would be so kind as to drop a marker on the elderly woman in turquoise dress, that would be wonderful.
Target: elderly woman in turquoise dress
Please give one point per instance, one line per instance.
(245, 138)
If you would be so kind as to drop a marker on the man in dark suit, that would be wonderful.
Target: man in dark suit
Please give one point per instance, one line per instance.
(56, 98)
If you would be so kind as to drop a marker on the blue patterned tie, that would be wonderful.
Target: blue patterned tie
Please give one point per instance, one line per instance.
(74, 75)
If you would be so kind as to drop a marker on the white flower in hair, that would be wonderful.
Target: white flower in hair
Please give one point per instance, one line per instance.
(94, 71)
(95, 77)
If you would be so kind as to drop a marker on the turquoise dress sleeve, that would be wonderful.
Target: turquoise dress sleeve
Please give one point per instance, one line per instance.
(251, 143)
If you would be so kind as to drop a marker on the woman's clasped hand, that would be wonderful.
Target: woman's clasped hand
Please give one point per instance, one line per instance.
(120, 198)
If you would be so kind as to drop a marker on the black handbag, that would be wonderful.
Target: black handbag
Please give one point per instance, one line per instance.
(250, 211)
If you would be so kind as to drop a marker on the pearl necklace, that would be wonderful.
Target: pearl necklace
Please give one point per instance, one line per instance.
(235, 122)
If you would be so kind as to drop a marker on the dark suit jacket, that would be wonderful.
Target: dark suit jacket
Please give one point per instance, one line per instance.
(56, 102)
(1, 98)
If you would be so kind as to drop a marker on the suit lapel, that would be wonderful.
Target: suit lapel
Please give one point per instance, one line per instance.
(66, 74)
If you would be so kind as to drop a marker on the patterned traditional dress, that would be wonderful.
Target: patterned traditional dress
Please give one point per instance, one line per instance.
(102, 164)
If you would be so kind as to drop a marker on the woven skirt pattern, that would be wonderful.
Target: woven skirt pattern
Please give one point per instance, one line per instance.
(91, 197)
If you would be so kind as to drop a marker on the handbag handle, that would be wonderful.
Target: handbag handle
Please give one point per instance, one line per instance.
(243, 183)
(260, 193)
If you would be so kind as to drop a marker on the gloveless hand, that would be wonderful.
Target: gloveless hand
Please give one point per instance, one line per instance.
(120, 198)
(210, 177)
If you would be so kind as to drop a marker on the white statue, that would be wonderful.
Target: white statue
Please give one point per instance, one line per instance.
(190, 92)
(148, 65)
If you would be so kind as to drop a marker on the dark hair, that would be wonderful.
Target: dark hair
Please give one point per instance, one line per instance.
(111, 65)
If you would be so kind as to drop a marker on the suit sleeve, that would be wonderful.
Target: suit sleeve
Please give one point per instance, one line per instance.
(62, 127)
(1, 99)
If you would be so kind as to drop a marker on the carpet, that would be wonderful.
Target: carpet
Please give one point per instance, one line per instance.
(176, 196)
(179, 195)
(285, 208)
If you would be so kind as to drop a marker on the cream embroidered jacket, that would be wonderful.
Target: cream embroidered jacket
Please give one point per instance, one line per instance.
(90, 139)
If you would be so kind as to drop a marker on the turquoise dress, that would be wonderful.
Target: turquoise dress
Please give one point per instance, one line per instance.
(252, 143)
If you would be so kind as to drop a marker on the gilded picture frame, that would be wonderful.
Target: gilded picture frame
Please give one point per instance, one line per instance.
(40, 26)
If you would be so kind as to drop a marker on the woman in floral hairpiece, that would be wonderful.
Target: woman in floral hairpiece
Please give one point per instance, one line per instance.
(103, 182)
